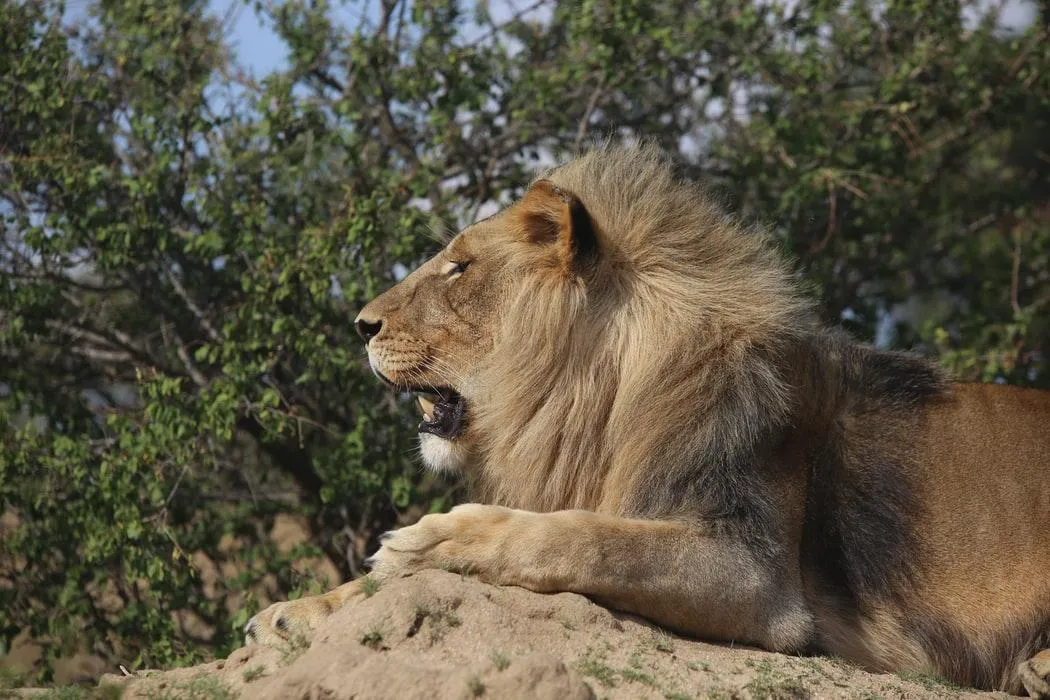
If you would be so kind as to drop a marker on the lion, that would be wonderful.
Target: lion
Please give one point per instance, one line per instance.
(648, 411)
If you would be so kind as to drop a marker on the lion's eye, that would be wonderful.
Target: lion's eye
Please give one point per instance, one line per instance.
(457, 268)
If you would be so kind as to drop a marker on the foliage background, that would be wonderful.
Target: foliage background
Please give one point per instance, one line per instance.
(185, 245)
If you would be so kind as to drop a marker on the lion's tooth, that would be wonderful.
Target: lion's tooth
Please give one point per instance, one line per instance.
(427, 406)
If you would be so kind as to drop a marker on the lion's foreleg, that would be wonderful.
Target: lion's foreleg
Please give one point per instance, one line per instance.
(673, 573)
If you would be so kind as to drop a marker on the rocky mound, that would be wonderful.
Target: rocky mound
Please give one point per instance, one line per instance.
(441, 635)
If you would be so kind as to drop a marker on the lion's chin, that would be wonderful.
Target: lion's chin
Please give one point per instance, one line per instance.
(442, 455)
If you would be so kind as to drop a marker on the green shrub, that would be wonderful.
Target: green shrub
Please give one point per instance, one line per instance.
(185, 246)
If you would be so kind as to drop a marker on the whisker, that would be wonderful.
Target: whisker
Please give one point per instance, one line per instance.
(446, 368)
(445, 365)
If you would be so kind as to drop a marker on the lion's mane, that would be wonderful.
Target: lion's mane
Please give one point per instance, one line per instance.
(604, 387)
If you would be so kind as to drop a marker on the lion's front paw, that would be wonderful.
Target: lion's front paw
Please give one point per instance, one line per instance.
(289, 623)
(465, 539)
(1035, 675)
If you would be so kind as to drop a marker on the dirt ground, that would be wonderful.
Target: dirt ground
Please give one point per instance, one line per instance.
(441, 635)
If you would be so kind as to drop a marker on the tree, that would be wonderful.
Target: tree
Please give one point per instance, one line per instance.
(185, 246)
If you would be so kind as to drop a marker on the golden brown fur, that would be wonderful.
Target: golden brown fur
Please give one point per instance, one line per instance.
(655, 418)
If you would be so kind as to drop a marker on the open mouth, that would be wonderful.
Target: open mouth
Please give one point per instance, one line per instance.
(443, 413)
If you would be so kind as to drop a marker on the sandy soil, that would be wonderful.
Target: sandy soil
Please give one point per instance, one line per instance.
(441, 635)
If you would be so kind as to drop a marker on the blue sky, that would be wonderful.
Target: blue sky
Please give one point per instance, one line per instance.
(256, 46)
(260, 50)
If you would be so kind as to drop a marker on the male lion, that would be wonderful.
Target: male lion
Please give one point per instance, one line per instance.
(654, 417)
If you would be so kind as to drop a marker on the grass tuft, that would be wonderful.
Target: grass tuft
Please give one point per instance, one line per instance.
(369, 585)
(293, 649)
(664, 643)
(500, 660)
(929, 681)
(633, 675)
(200, 688)
(592, 664)
(372, 639)
(768, 684)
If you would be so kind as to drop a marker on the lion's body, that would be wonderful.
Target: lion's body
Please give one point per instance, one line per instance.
(657, 419)
(926, 534)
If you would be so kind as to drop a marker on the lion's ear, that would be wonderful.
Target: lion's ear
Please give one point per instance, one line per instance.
(552, 216)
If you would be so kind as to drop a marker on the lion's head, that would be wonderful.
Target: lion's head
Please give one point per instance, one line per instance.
(573, 329)
(432, 333)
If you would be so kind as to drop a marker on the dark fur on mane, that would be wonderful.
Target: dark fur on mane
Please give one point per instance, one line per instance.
(861, 501)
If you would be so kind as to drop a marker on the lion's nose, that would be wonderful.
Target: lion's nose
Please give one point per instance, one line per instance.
(368, 329)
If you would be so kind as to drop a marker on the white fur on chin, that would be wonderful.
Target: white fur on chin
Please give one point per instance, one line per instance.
(441, 455)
